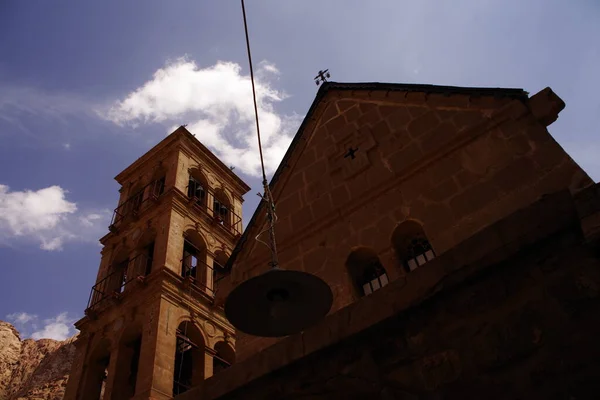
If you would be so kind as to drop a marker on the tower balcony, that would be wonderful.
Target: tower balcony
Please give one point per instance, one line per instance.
(199, 274)
(118, 282)
(131, 208)
(216, 209)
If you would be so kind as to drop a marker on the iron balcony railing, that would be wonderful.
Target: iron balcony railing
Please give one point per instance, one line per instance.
(205, 201)
(113, 285)
(201, 274)
(137, 202)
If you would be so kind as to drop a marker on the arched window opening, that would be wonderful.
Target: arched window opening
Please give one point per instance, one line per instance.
(197, 188)
(189, 358)
(194, 258)
(367, 272)
(119, 272)
(222, 208)
(411, 245)
(157, 187)
(145, 254)
(127, 364)
(219, 265)
(134, 202)
(224, 357)
(95, 372)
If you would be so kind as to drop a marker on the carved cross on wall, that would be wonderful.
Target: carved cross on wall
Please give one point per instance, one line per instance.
(351, 153)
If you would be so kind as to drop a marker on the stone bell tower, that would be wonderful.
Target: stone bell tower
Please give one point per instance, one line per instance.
(151, 329)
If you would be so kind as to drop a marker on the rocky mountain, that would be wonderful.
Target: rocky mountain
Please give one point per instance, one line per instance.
(33, 369)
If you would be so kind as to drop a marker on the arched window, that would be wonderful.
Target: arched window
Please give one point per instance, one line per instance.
(118, 271)
(197, 188)
(219, 265)
(189, 358)
(224, 358)
(194, 258)
(134, 202)
(157, 187)
(145, 253)
(411, 245)
(366, 270)
(95, 371)
(222, 208)
(127, 363)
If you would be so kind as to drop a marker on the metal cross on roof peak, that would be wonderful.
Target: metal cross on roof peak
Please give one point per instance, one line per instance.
(322, 77)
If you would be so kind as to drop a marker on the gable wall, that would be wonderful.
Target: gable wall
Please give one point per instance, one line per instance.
(454, 163)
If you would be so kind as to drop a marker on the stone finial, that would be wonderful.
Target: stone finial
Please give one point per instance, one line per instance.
(545, 106)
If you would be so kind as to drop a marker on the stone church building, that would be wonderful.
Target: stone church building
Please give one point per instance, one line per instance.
(459, 240)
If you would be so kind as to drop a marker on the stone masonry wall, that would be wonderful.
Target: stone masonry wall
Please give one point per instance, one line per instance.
(512, 312)
(454, 163)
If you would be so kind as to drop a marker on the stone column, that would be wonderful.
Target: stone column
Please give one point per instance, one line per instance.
(77, 367)
(113, 371)
(209, 274)
(208, 362)
(157, 355)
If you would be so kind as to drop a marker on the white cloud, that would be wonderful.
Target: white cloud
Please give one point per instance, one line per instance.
(217, 103)
(21, 317)
(48, 217)
(67, 146)
(57, 328)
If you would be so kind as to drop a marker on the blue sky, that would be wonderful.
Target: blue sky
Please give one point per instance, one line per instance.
(88, 87)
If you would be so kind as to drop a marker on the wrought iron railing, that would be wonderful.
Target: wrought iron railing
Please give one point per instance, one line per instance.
(205, 201)
(115, 283)
(137, 202)
(200, 273)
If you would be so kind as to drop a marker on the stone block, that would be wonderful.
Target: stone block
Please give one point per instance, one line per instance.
(288, 205)
(369, 118)
(404, 158)
(316, 171)
(315, 259)
(344, 105)
(307, 158)
(467, 119)
(442, 192)
(399, 118)
(330, 112)
(521, 172)
(336, 124)
(423, 124)
(340, 196)
(473, 199)
(302, 218)
(437, 138)
(545, 106)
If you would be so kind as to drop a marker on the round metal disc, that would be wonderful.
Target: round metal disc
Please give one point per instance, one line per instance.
(278, 303)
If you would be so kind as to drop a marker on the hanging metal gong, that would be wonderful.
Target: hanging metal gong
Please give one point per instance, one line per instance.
(278, 303)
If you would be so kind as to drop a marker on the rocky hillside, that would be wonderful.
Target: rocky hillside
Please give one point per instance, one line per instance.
(31, 369)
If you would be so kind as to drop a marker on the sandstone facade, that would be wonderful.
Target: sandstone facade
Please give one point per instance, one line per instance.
(451, 160)
(175, 226)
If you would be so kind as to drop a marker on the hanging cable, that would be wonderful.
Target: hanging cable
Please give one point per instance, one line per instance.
(267, 193)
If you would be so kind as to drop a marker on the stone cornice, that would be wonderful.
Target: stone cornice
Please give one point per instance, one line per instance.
(193, 148)
(148, 157)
